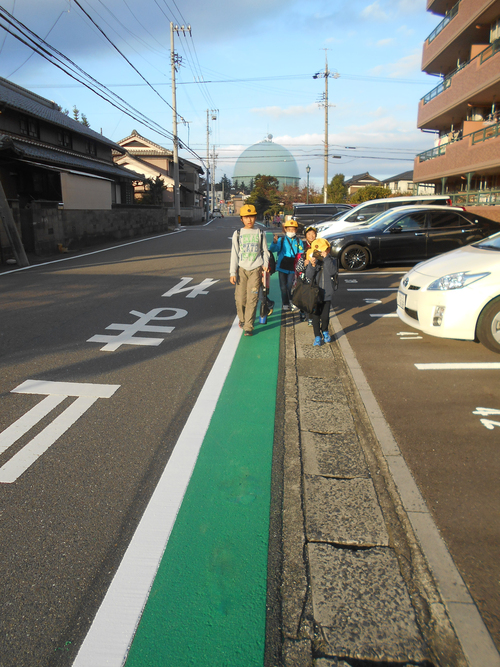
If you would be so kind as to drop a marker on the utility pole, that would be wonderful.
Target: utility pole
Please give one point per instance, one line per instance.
(175, 61)
(213, 176)
(326, 75)
(211, 114)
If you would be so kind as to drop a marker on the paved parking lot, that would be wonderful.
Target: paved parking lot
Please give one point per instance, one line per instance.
(441, 399)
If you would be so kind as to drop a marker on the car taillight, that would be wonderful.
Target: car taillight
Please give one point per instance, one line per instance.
(450, 203)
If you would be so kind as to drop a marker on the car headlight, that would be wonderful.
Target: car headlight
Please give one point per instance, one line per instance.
(456, 280)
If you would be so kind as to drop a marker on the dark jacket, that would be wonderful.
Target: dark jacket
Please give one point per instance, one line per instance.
(322, 275)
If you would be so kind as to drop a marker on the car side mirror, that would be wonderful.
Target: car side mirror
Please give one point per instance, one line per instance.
(396, 229)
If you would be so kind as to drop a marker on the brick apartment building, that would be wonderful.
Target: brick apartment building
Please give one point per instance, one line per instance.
(463, 110)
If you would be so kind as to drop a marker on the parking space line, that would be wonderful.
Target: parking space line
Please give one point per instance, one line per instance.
(465, 366)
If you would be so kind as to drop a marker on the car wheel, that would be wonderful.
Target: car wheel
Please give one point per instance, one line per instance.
(488, 326)
(354, 258)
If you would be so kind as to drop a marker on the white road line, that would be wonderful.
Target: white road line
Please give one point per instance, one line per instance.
(87, 254)
(372, 289)
(383, 315)
(28, 420)
(110, 636)
(492, 365)
(21, 461)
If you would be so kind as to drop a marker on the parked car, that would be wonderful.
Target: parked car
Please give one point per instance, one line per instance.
(456, 295)
(311, 214)
(409, 233)
(369, 209)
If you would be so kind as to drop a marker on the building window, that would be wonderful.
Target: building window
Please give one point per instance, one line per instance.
(64, 139)
(29, 127)
(90, 147)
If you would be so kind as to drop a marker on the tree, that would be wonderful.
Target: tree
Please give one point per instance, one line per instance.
(336, 192)
(154, 191)
(264, 196)
(369, 192)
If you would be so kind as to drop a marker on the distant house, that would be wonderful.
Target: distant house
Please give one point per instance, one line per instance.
(61, 182)
(360, 181)
(153, 160)
(404, 183)
(46, 155)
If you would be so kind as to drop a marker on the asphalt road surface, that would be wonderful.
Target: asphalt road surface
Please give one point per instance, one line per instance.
(77, 471)
(436, 417)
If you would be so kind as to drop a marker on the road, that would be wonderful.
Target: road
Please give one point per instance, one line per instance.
(443, 420)
(76, 473)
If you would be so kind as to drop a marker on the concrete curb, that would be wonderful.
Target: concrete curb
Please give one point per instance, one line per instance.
(354, 518)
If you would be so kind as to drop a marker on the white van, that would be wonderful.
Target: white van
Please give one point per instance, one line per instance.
(361, 213)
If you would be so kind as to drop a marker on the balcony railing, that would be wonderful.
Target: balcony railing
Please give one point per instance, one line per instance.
(449, 16)
(488, 53)
(476, 198)
(489, 132)
(431, 154)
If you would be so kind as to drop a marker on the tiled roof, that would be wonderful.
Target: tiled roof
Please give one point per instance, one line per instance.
(65, 159)
(15, 97)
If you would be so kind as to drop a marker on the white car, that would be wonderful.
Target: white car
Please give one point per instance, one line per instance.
(368, 210)
(456, 295)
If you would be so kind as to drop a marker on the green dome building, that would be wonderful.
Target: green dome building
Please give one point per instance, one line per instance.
(267, 159)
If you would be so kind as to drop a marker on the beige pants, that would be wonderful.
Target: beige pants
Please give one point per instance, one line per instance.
(246, 295)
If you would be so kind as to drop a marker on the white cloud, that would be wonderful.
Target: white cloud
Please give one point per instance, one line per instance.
(403, 67)
(385, 42)
(374, 12)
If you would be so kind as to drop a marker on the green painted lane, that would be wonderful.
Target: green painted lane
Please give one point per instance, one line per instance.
(207, 605)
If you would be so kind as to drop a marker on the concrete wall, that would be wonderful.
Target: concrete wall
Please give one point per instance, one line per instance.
(84, 192)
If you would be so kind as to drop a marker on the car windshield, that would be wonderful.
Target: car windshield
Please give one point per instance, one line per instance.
(491, 243)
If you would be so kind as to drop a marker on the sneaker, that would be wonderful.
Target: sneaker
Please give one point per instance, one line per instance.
(302, 317)
(285, 307)
(318, 341)
(248, 333)
(309, 323)
(293, 308)
(326, 337)
(240, 324)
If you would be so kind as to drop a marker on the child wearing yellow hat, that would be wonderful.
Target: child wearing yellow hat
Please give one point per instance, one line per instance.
(321, 269)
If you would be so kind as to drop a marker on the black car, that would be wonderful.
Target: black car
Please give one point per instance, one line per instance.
(310, 214)
(412, 233)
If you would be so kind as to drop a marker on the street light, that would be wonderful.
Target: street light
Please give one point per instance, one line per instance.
(308, 169)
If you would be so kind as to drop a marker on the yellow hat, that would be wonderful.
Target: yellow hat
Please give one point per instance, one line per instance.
(310, 229)
(321, 245)
(309, 254)
(247, 209)
(290, 223)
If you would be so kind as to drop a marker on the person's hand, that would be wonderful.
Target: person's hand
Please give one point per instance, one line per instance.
(306, 262)
(275, 238)
(325, 253)
(313, 260)
(232, 280)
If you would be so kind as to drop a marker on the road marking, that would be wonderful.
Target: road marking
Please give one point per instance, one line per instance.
(115, 623)
(56, 392)
(372, 289)
(194, 289)
(127, 336)
(408, 335)
(372, 301)
(383, 314)
(476, 366)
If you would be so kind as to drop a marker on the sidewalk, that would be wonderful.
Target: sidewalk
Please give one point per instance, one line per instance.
(356, 584)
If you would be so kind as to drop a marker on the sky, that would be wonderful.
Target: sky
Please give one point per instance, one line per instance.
(251, 63)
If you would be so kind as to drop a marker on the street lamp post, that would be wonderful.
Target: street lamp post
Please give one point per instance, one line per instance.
(308, 169)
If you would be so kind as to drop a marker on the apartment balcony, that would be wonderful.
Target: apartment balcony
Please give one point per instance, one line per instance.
(475, 84)
(468, 22)
(478, 152)
(440, 7)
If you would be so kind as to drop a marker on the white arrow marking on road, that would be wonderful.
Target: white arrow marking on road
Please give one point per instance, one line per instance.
(372, 301)
(477, 366)
(127, 336)
(56, 392)
(194, 289)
